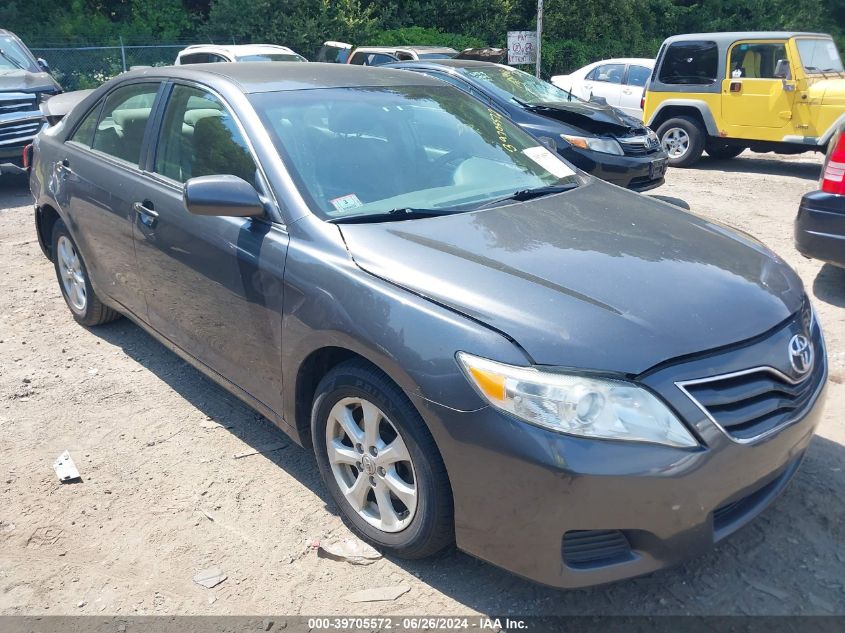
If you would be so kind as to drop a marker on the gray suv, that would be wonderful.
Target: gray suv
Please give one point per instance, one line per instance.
(482, 345)
(25, 82)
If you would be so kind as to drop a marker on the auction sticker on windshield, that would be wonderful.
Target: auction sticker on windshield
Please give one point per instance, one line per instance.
(548, 161)
(347, 202)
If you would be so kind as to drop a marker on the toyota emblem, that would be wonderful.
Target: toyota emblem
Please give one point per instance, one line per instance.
(800, 354)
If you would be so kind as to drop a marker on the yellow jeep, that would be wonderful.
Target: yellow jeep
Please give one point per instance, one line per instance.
(725, 92)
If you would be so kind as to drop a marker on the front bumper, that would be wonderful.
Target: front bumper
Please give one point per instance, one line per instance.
(820, 227)
(523, 495)
(638, 173)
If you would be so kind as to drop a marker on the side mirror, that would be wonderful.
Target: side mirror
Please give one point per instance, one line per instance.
(43, 65)
(222, 196)
(782, 70)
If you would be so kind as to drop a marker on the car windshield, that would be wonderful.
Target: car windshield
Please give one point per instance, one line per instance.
(372, 150)
(819, 55)
(271, 57)
(511, 83)
(13, 56)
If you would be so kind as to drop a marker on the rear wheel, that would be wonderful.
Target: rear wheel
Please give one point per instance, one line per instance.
(683, 140)
(724, 152)
(380, 463)
(74, 283)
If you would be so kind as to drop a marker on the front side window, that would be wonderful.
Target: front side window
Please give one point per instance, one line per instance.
(638, 75)
(609, 73)
(756, 61)
(199, 137)
(690, 63)
(819, 55)
(357, 152)
(510, 83)
(126, 111)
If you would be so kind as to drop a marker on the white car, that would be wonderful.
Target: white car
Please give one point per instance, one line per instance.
(212, 53)
(620, 81)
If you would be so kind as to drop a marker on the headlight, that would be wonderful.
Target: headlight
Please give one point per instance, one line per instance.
(604, 145)
(576, 404)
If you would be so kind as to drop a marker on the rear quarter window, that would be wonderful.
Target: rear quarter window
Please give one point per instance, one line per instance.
(690, 63)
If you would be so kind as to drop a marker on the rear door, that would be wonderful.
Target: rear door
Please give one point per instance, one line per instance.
(632, 90)
(752, 93)
(605, 80)
(98, 179)
(213, 285)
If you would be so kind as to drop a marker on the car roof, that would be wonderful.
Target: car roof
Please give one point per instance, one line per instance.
(420, 49)
(235, 49)
(645, 61)
(255, 77)
(732, 36)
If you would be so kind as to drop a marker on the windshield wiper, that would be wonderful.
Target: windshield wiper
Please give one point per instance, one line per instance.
(818, 70)
(529, 194)
(5, 55)
(394, 215)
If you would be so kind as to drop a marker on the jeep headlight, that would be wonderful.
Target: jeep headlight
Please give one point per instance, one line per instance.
(576, 404)
(595, 143)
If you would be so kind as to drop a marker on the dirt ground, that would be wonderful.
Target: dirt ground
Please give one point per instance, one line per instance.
(162, 497)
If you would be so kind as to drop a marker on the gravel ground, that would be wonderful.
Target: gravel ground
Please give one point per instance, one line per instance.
(162, 497)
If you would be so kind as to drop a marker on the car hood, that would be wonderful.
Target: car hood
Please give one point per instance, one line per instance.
(25, 81)
(595, 278)
(593, 117)
(830, 91)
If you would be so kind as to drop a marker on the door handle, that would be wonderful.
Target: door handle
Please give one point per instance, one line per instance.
(63, 167)
(627, 91)
(146, 213)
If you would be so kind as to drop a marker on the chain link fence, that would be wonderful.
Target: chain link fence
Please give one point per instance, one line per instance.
(80, 67)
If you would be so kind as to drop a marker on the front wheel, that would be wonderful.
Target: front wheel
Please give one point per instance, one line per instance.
(380, 463)
(683, 140)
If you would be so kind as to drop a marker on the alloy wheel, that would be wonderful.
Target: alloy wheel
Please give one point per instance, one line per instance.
(371, 464)
(72, 275)
(676, 142)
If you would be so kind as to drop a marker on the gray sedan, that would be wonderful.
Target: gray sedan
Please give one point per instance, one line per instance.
(483, 345)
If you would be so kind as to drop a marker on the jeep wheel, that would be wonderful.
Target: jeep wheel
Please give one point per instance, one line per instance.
(683, 140)
(724, 152)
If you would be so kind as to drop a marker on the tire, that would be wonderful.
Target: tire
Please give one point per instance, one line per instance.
(724, 152)
(412, 530)
(74, 282)
(683, 137)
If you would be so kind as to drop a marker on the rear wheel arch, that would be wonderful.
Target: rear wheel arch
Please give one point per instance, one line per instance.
(45, 219)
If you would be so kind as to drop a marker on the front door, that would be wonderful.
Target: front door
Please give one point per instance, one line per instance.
(757, 91)
(604, 81)
(213, 284)
(106, 148)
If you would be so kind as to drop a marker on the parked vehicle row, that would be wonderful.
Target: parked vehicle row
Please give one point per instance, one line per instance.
(481, 344)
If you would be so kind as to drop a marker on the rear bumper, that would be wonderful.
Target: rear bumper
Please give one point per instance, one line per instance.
(638, 173)
(820, 227)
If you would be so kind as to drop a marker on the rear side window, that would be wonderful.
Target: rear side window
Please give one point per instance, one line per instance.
(372, 59)
(120, 131)
(199, 137)
(201, 58)
(638, 75)
(609, 73)
(690, 63)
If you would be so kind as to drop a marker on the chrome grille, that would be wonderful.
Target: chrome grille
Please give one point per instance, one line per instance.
(753, 403)
(16, 132)
(17, 102)
(639, 145)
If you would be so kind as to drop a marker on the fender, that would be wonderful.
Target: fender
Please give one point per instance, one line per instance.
(701, 106)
